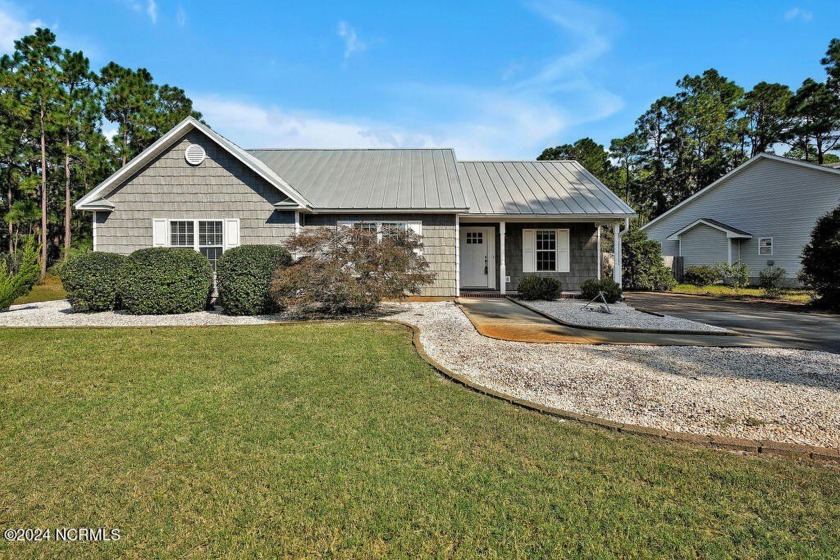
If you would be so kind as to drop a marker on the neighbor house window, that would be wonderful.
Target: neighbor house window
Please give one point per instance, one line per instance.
(765, 246)
(546, 250)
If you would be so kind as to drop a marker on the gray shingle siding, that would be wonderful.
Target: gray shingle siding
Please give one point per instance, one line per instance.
(768, 199)
(168, 187)
(583, 246)
(438, 242)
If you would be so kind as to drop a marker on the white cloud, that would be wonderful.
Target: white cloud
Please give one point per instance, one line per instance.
(515, 119)
(152, 10)
(181, 16)
(798, 13)
(13, 27)
(352, 43)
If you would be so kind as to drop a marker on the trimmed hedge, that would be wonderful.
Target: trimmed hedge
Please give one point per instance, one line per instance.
(165, 280)
(589, 289)
(243, 277)
(92, 281)
(702, 275)
(539, 287)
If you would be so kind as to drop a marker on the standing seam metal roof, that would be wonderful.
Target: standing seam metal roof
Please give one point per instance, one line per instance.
(387, 179)
(537, 187)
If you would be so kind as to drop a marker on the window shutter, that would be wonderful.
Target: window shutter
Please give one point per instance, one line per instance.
(529, 254)
(232, 233)
(159, 233)
(562, 250)
(416, 227)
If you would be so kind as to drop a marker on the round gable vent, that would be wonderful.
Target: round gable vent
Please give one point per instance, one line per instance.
(194, 154)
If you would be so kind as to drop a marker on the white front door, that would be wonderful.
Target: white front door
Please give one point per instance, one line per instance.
(478, 256)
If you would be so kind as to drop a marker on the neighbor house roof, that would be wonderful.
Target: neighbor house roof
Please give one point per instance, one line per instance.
(520, 188)
(746, 165)
(369, 179)
(731, 232)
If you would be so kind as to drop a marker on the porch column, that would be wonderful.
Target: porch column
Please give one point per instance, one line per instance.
(502, 267)
(457, 255)
(617, 253)
(729, 251)
(598, 248)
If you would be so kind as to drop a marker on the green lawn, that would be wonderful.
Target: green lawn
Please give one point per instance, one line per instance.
(337, 440)
(50, 289)
(790, 296)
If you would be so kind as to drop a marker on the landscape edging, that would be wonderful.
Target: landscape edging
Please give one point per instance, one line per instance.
(764, 447)
(727, 332)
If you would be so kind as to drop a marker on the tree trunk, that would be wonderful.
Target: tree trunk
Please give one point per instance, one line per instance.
(125, 147)
(11, 227)
(43, 196)
(67, 212)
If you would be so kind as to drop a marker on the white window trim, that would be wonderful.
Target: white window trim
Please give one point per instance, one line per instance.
(772, 247)
(558, 250)
(405, 223)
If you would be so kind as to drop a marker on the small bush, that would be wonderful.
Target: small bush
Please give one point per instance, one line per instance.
(165, 280)
(92, 281)
(589, 289)
(771, 281)
(349, 270)
(701, 275)
(820, 259)
(736, 274)
(539, 287)
(18, 274)
(642, 267)
(243, 277)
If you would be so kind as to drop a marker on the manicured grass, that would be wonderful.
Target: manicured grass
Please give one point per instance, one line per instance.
(337, 440)
(790, 296)
(50, 289)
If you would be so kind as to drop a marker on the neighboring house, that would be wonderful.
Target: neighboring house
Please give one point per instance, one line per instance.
(760, 213)
(484, 225)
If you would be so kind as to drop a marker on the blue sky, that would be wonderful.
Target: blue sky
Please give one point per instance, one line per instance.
(491, 79)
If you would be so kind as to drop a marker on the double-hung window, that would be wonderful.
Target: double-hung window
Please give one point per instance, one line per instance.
(765, 246)
(545, 250)
(208, 237)
(385, 229)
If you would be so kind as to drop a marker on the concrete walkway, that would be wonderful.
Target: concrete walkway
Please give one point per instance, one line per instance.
(505, 320)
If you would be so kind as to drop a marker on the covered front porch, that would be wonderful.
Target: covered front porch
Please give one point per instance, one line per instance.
(494, 255)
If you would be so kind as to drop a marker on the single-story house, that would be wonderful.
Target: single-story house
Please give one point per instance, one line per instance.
(484, 224)
(760, 214)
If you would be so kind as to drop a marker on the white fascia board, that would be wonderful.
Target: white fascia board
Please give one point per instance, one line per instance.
(601, 218)
(729, 233)
(170, 138)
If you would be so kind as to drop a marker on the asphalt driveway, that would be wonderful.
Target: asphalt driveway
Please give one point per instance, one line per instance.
(783, 325)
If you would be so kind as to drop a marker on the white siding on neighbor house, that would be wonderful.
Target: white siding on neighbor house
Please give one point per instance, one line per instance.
(767, 199)
(704, 245)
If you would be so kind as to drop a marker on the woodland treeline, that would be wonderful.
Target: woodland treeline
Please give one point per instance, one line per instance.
(709, 126)
(53, 108)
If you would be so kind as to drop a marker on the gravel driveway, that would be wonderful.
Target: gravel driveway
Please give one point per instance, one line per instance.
(758, 393)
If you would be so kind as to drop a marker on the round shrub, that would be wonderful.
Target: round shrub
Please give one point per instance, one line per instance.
(771, 280)
(819, 260)
(166, 280)
(539, 287)
(243, 277)
(92, 281)
(589, 289)
(702, 275)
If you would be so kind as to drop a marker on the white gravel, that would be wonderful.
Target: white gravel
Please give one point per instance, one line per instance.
(757, 393)
(623, 316)
(60, 314)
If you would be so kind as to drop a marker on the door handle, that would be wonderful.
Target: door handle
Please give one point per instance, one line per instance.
(485, 265)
